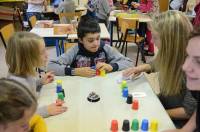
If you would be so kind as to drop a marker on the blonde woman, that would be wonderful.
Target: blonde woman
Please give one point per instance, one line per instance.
(192, 71)
(25, 52)
(170, 33)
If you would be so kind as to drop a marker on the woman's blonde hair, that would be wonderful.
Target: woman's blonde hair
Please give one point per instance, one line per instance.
(173, 28)
(22, 53)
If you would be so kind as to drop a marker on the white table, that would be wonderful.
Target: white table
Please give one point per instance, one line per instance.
(84, 116)
(48, 33)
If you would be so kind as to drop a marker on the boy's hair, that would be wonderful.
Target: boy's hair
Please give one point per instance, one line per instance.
(87, 25)
(22, 53)
(173, 28)
(15, 98)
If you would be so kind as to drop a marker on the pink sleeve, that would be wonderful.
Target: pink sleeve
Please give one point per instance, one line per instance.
(146, 7)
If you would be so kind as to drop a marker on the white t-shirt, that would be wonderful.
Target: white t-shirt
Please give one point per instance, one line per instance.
(176, 4)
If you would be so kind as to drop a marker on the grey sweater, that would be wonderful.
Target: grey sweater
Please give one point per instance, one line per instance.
(102, 9)
(35, 85)
(78, 56)
(66, 6)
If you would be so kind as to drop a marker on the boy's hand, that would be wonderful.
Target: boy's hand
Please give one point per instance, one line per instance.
(104, 66)
(54, 109)
(48, 78)
(85, 72)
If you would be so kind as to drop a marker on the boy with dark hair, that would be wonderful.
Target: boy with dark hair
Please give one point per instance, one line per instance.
(90, 52)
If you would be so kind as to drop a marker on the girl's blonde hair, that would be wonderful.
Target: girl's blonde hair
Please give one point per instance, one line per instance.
(23, 54)
(173, 28)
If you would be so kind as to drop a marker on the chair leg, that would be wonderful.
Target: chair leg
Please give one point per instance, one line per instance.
(126, 49)
(120, 41)
(138, 51)
(142, 52)
(123, 44)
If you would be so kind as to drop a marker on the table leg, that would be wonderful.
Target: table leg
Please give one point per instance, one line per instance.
(111, 33)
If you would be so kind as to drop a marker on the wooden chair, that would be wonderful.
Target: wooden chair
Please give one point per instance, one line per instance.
(129, 34)
(20, 17)
(68, 46)
(69, 16)
(5, 33)
(32, 21)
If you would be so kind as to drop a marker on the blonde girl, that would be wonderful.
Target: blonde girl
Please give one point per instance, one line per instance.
(26, 52)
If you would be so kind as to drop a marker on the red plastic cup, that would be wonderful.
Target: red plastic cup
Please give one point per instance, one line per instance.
(114, 126)
(59, 102)
(98, 72)
(135, 104)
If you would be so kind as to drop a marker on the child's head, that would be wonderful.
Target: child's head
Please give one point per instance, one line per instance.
(17, 105)
(170, 33)
(192, 61)
(89, 33)
(25, 52)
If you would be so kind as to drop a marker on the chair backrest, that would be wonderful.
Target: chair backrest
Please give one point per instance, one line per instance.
(6, 32)
(126, 24)
(32, 21)
(68, 16)
(19, 14)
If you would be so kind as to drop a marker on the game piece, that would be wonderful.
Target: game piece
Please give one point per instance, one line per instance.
(60, 96)
(124, 84)
(145, 125)
(135, 104)
(154, 126)
(59, 82)
(58, 88)
(129, 99)
(135, 125)
(63, 91)
(97, 72)
(93, 97)
(126, 125)
(114, 126)
(102, 73)
(125, 92)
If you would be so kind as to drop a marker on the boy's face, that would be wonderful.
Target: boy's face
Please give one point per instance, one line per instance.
(91, 42)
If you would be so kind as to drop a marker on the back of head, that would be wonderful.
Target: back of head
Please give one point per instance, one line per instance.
(22, 53)
(15, 98)
(87, 25)
(173, 28)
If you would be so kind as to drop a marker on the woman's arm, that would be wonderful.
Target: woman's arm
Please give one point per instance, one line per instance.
(178, 113)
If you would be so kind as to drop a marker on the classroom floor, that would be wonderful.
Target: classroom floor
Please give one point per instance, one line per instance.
(132, 50)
